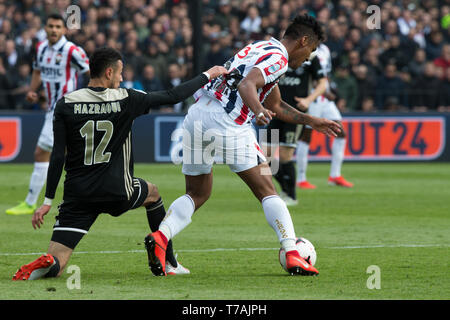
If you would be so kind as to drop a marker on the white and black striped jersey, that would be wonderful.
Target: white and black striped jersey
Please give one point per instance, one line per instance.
(94, 125)
(59, 65)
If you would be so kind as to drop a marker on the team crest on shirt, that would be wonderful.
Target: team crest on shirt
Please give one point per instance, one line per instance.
(58, 58)
(10, 138)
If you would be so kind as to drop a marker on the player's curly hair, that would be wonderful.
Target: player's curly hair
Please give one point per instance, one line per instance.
(304, 25)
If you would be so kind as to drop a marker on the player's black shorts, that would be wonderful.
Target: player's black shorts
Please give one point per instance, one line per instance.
(76, 217)
(288, 133)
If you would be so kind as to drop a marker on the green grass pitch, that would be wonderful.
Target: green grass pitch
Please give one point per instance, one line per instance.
(397, 218)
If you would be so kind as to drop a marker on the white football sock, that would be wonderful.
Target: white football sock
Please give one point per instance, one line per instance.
(337, 156)
(178, 216)
(37, 181)
(302, 160)
(278, 217)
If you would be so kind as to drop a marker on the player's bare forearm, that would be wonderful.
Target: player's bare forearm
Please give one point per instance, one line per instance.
(35, 80)
(287, 113)
(248, 90)
(249, 95)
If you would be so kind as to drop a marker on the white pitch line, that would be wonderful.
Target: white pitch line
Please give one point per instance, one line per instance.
(241, 249)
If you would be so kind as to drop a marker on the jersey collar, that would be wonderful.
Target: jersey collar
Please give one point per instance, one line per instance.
(59, 44)
(282, 47)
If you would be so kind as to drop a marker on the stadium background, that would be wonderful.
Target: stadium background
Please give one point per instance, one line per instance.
(396, 73)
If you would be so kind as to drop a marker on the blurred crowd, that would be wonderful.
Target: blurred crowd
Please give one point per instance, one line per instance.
(399, 62)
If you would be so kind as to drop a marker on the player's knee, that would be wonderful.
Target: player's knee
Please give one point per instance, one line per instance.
(153, 193)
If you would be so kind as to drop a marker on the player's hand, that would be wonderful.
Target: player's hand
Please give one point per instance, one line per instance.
(38, 216)
(328, 127)
(32, 97)
(264, 116)
(217, 71)
(302, 103)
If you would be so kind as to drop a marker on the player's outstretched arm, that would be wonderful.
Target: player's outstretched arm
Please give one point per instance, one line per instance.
(184, 90)
(287, 113)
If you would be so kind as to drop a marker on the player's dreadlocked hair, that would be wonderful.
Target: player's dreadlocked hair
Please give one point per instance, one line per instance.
(304, 25)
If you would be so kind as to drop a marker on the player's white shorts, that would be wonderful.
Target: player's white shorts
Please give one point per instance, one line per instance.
(45, 141)
(210, 136)
(324, 108)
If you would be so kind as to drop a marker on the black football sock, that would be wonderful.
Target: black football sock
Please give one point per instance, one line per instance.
(279, 177)
(54, 270)
(156, 214)
(289, 177)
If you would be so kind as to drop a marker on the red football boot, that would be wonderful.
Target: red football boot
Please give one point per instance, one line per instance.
(339, 181)
(36, 269)
(156, 244)
(296, 265)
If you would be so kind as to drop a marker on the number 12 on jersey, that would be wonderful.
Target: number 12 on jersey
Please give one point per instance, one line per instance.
(96, 155)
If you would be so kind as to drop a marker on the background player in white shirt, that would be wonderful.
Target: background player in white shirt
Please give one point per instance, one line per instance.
(321, 107)
(222, 117)
(56, 66)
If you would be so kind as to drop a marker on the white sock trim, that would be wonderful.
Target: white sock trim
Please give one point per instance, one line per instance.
(268, 197)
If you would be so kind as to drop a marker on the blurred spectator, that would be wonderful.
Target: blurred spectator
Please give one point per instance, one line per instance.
(157, 60)
(424, 94)
(434, 45)
(443, 61)
(406, 22)
(395, 53)
(223, 16)
(150, 81)
(216, 55)
(20, 85)
(444, 93)
(366, 87)
(391, 90)
(11, 56)
(5, 86)
(175, 78)
(129, 80)
(368, 105)
(417, 65)
(252, 22)
(347, 88)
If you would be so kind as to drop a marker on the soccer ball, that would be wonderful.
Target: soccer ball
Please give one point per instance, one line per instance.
(306, 250)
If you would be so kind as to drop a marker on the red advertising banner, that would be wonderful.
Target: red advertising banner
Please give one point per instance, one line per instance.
(386, 138)
(10, 138)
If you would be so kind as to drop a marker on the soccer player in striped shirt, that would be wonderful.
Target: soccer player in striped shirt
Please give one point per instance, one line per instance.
(57, 65)
(224, 112)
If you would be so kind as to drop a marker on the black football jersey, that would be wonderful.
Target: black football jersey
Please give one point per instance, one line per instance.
(298, 82)
(94, 126)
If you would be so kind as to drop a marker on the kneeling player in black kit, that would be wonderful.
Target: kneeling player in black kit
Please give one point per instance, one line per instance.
(92, 140)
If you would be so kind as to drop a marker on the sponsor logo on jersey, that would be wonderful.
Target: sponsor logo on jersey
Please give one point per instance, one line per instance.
(51, 72)
(10, 138)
